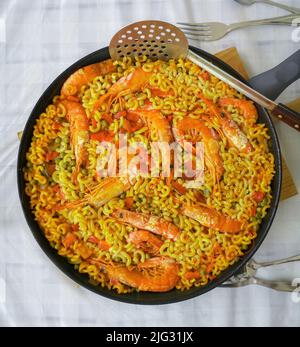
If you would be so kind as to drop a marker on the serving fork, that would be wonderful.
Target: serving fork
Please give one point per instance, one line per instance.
(211, 31)
(248, 276)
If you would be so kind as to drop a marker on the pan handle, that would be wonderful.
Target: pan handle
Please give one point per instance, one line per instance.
(287, 115)
(273, 82)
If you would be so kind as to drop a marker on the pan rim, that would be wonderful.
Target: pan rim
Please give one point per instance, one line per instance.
(142, 298)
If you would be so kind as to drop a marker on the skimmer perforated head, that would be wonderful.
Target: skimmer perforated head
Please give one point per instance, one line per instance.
(152, 38)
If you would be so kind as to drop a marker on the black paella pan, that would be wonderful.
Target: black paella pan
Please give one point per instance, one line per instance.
(271, 89)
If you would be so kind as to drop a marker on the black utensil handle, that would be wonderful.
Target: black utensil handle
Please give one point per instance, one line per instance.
(288, 116)
(273, 82)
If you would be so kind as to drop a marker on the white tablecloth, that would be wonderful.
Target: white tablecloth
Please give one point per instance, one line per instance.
(38, 40)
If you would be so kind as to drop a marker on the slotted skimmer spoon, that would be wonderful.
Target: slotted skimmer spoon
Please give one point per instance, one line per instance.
(162, 40)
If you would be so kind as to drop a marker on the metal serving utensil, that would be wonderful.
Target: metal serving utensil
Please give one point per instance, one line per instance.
(161, 40)
(291, 9)
(211, 31)
(248, 276)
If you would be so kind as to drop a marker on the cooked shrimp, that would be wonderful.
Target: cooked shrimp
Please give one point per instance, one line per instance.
(109, 188)
(234, 135)
(211, 218)
(101, 193)
(79, 131)
(85, 75)
(230, 129)
(158, 274)
(146, 241)
(195, 130)
(155, 121)
(106, 190)
(154, 224)
(125, 85)
(247, 108)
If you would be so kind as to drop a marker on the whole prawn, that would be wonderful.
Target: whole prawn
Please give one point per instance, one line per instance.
(247, 108)
(159, 274)
(156, 225)
(155, 121)
(100, 193)
(211, 218)
(195, 130)
(79, 131)
(83, 76)
(125, 85)
(230, 129)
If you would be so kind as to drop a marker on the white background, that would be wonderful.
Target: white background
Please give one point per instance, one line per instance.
(38, 40)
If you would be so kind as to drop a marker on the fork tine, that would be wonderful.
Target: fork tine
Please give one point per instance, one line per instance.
(200, 34)
(199, 38)
(195, 29)
(193, 24)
